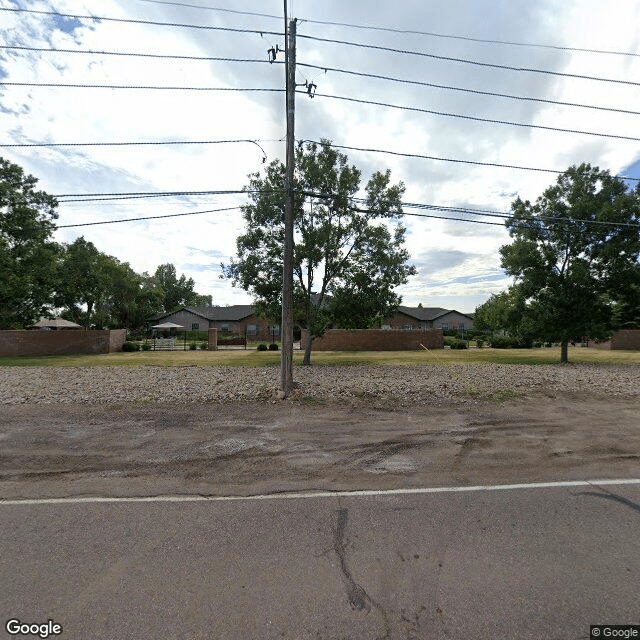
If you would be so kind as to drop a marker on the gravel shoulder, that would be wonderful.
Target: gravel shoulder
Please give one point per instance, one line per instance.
(428, 384)
(220, 431)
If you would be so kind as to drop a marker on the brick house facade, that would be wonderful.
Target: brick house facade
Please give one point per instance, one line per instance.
(239, 319)
(409, 318)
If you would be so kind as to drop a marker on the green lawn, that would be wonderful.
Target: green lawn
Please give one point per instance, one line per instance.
(252, 358)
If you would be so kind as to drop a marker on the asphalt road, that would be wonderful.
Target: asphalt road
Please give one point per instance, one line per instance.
(534, 563)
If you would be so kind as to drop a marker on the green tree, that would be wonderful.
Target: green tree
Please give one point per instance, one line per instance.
(499, 313)
(82, 280)
(347, 259)
(27, 253)
(178, 292)
(573, 251)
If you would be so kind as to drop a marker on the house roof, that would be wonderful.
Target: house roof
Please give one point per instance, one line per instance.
(429, 313)
(423, 313)
(56, 323)
(220, 314)
(215, 314)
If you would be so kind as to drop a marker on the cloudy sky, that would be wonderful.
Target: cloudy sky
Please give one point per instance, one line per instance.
(458, 262)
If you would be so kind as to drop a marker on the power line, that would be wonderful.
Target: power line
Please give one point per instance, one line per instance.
(475, 118)
(101, 197)
(198, 6)
(134, 144)
(154, 194)
(171, 215)
(509, 216)
(468, 61)
(399, 30)
(144, 22)
(464, 89)
(134, 54)
(454, 160)
(61, 85)
(466, 38)
(463, 210)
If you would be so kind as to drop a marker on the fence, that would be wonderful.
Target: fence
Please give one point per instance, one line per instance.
(375, 340)
(61, 342)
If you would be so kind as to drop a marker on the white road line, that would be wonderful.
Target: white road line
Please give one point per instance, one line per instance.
(327, 494)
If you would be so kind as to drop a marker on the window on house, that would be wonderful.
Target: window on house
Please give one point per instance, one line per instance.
(274, 330)
(225, 328)
(195, 326)
(252, 330)
(461, 327)
(407, 327)
(445, 326)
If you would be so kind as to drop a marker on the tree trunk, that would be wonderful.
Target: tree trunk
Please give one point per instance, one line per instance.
(307, 352)
(564, 351)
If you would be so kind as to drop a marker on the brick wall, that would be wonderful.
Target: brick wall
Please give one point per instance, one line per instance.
(626, 339)
(60, 343)
(375, 340)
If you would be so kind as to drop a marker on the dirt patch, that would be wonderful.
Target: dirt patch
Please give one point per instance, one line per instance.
(255, 447)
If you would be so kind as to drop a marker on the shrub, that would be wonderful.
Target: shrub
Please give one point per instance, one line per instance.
(273, 347)
(454, 343)
(262, 347)
(192, 346)
(204, 346)
(480, 343)
(146, 346)
(130, 346)
(510, 342)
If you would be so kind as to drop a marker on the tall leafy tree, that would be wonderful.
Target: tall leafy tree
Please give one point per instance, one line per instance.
(349, 254)
(27, 253)
(499, 312)
(178, 292)
(83, 280)
(575, 254)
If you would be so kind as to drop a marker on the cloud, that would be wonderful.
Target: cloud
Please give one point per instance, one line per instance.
(458, 260)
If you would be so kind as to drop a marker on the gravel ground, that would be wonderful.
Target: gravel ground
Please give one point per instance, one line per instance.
(426, 384)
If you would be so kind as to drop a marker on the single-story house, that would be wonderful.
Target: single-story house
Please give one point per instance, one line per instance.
(429, 318)
(238, 319)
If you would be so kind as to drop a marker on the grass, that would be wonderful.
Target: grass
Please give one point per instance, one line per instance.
(252, 358)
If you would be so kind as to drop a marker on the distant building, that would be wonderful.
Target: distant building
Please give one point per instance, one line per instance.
(238, 319)
(429, 318)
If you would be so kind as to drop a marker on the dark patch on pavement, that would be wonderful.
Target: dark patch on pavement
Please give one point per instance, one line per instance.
(359, 599)
(611, 496)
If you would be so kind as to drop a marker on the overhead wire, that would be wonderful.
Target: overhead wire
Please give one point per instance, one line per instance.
(506, 217)
(133, 143)
(260, 32)
(220, 9)
(462, 89)
(95, 197)
(62, 85)
(478, 63)
(325, 68)
(441, 159)
(433, 34)
(170, 215)
(475, 118)
(136, 54)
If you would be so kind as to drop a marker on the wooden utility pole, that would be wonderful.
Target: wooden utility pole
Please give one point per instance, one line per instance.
(286, 358)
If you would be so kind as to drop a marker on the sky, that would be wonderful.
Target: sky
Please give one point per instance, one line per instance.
(457, 262)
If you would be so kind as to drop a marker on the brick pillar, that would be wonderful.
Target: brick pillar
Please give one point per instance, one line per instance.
(213, 340)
